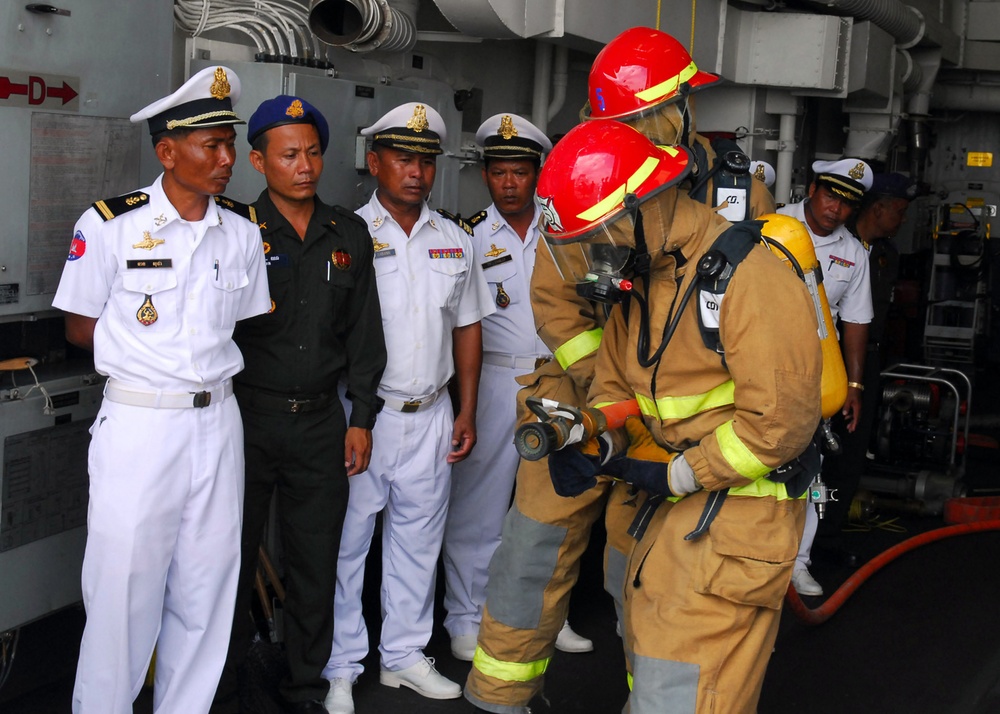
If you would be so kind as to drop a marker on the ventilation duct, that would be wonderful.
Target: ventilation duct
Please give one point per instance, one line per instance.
(364, 25)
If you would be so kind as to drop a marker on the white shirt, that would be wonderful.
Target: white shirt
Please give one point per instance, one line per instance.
(167, 292)
(429, 283)
(507, 264)
(844, 263)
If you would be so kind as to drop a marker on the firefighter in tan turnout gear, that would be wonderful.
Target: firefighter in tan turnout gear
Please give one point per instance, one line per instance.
(720, 434)
(645, 78)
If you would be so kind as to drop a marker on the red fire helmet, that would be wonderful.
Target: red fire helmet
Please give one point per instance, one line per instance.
(593, 168)
(639, 69)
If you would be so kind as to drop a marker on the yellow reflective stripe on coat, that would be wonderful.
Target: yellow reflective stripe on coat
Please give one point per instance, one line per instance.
(509, 671)
(664, 88)
(764, 487)
(736, 453)
(575, 349)
(687, 406)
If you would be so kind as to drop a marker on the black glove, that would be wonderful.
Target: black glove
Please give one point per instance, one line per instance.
(572, 471)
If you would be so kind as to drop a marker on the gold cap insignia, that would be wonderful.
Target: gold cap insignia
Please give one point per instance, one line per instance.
(295, 110)
(220, 87)
(418, 122)
(858, 172)
(759, 173)
(507, 129)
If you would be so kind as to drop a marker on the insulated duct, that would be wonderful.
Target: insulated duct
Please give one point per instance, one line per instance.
(903, 22)
(365, 25)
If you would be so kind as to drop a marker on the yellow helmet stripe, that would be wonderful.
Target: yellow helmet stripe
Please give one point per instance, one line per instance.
(664, 88)
(606, 205)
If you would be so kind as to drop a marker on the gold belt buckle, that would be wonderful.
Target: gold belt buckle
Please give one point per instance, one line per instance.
(412, 405)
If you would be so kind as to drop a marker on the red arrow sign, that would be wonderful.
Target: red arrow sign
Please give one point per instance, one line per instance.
(66, 92)
(22, 89)
(8, 88)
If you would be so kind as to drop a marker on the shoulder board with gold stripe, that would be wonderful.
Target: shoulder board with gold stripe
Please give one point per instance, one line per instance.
(477, 219)
(240, 209)
(458, 220)
(111, 207)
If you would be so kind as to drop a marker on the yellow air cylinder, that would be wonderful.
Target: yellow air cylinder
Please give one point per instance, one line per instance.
(793, 236)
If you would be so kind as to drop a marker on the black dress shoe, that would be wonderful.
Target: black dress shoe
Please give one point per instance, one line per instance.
(834, 555)
(313, 706)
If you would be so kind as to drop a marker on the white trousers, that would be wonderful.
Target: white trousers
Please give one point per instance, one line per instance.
(162, 555)
(408, 480)
(803, 559)
(481, 487)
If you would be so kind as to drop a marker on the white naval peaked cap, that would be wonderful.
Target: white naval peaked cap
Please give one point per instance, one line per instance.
(848, 178)
(415, 127)
(509, 136)
(762, 171)
(206, 99)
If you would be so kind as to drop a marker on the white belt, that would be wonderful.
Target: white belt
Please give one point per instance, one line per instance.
(514, 362)
(411, 405)
(136, 396)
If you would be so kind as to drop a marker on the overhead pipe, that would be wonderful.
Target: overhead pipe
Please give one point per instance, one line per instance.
(365, 25)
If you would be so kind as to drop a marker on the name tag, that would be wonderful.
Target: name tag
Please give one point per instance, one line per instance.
(385, 253)
(498, 261)
(159, 263)
(278, 260)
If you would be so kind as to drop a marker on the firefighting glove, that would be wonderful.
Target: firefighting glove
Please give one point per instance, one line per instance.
(574, 470)
(651, 467)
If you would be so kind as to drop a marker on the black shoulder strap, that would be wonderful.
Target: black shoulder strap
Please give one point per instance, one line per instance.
(477, 219)
(458, 220)
(240, 209)
(730, 248)
(108, 208)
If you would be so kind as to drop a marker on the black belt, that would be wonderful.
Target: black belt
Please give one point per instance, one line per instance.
(249, 397)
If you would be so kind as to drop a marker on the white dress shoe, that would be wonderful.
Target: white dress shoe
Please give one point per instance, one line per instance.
(804, 583)
(339, 699)
(569, 641)
(463, 647)
(424, 679)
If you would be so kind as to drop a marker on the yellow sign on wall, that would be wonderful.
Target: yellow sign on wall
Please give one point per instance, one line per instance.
(980, 158)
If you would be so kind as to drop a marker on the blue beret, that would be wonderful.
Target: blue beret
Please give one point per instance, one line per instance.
(285, 109)
(894, 185)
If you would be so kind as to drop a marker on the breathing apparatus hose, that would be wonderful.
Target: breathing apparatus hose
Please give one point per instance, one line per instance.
(819, 615)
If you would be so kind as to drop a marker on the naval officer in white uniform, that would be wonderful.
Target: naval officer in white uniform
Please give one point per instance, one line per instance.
(154, 284)
(433, 298)
(505, 240)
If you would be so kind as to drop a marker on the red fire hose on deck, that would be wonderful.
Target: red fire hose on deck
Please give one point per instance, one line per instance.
(819, 615)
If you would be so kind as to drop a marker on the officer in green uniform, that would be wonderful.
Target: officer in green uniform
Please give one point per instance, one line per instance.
(324, 326)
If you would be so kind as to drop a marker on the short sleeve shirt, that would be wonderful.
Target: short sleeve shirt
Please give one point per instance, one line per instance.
(429, 283)
(166, 292)
(844, 263)
(507, 263)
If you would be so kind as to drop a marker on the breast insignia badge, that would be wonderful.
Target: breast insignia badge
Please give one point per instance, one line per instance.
(494, 251)
(503, 299)
(147, 313)
(148, 242)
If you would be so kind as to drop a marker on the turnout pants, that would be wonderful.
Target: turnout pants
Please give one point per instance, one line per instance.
(701, 616)
(537, 563)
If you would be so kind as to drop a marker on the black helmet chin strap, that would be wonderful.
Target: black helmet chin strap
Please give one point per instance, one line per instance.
(685, 90)
(642, 257)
